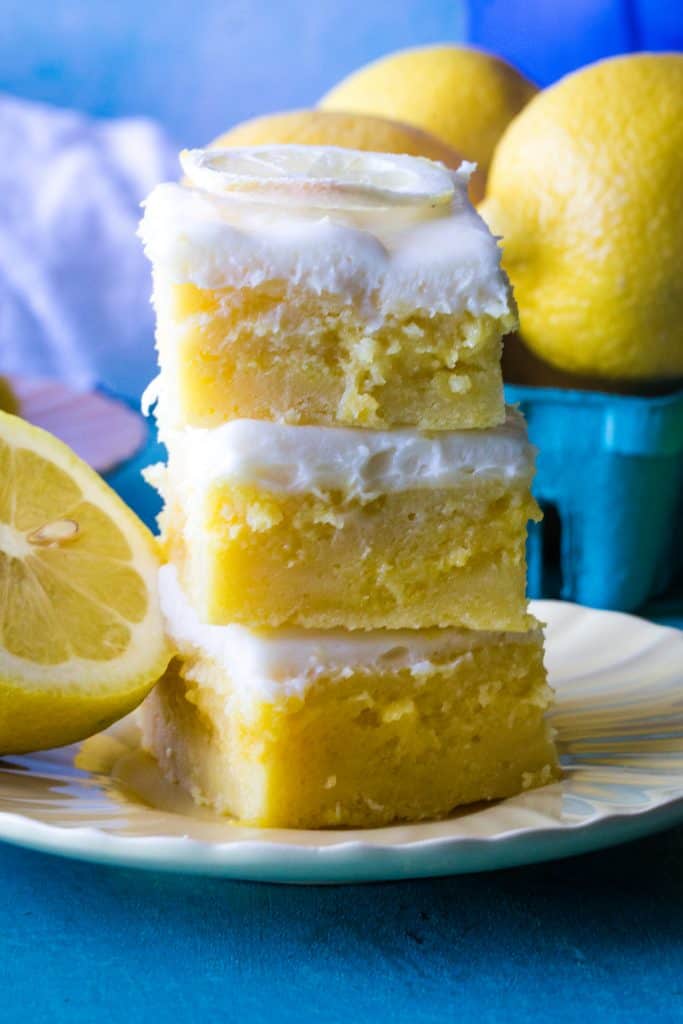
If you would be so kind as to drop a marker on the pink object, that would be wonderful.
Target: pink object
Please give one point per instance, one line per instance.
(102, 430)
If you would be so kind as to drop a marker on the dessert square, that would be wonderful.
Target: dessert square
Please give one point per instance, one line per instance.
(381, 316)
(346, 497)
(273, 525)
(313, 730)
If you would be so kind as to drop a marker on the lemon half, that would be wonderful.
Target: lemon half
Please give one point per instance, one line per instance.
(320, 176)
(81, 633)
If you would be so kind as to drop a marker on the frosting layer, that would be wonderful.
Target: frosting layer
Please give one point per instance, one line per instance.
(268, 664)
(440, 258)
(360, 463)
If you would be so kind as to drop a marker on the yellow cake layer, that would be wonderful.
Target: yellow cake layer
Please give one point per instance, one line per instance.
(358, 745)
(268, 353)
(413, 559)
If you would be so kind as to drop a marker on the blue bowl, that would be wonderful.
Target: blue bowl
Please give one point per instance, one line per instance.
(610, 482)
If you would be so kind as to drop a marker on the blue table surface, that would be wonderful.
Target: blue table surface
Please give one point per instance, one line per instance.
(597, 937)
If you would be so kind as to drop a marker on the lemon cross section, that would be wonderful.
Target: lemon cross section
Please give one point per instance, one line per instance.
(81, 632)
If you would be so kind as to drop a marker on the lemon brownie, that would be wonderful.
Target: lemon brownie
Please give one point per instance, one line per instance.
(312, 729)
(323, 527)
(314, 285)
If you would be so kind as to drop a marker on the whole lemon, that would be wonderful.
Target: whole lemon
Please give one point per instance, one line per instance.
(351, 131)
(586, 188)
(464, 96)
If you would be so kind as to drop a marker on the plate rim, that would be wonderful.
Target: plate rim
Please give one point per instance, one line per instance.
(354, 860)
(350, 862)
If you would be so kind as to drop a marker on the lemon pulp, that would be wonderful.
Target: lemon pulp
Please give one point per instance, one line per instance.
(81, 635)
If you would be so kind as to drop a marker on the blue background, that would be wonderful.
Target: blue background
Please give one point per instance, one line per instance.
(201, 66)
(595, 938)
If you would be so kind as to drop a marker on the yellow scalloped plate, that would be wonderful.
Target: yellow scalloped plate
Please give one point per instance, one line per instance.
(619, 717)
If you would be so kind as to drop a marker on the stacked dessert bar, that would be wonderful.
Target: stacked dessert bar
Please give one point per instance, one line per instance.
(346, 496)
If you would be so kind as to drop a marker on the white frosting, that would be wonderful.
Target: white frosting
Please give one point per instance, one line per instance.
(266, 664)
(442, 258)
(281, 458)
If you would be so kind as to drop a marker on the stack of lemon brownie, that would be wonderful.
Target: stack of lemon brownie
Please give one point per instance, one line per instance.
(346, 495)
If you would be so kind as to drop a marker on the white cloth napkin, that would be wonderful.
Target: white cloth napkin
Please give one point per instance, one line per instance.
(74, 283)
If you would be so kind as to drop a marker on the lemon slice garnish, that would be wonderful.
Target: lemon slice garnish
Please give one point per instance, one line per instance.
(81, 632)
(319, 176)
